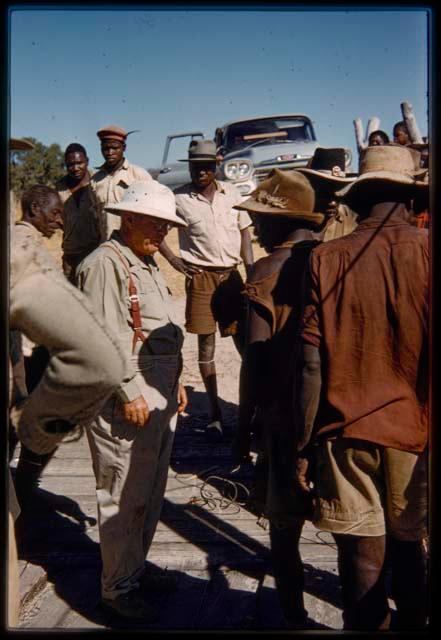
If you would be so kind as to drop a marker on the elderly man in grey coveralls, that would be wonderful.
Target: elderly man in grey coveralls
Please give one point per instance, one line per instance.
(131, 440)
(86, 364)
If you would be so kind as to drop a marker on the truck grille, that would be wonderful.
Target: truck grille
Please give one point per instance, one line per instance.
(261, 174)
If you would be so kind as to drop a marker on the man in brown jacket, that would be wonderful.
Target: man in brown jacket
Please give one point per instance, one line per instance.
(364, 393)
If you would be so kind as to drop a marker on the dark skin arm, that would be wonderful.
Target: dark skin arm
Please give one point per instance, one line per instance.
(176, 262)
(246, 250)
(311, 383)
(252, 365)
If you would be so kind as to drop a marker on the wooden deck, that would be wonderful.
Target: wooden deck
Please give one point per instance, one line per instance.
(217, 546)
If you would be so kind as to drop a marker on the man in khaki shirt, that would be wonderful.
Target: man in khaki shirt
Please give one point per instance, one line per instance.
(211, 247)
(81, 233)
(131, 439)
(114, 177)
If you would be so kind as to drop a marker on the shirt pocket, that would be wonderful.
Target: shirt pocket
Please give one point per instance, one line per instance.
(196, 225)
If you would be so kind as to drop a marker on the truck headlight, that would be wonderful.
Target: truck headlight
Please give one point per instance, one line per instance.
(237, 169)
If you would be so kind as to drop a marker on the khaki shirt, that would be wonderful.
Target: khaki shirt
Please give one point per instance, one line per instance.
(110, 189)
(86, 363)
(104, 280)
(344, 223)
(213, 236)
(81, 231)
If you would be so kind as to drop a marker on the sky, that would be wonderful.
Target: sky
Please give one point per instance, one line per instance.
(171, 71)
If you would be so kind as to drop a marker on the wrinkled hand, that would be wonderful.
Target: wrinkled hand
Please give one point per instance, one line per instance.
(182, 398)
(301, 475)
(136, 412)
(187, 269)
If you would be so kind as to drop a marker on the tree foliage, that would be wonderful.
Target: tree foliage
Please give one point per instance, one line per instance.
(42, 165)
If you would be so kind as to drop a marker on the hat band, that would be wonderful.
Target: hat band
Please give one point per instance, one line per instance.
(192, 156)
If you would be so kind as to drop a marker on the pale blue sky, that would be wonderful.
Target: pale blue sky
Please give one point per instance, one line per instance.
(167, 71)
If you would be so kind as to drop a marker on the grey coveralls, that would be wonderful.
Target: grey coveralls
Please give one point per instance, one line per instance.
(130, 463)
(86, 363)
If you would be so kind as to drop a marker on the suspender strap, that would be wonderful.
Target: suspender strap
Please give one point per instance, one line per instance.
(134, 300)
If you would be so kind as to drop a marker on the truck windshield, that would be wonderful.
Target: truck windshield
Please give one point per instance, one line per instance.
(267, 131)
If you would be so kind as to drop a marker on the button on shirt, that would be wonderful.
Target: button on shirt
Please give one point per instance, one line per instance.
(110, 189)
(367, 311)
(212, 238)
(81, 230)
(103, 278)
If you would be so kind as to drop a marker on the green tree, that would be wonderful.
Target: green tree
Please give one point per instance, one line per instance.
(42, 165)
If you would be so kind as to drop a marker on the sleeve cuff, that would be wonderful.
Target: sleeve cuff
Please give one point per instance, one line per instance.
(128, 392)
(311, 338)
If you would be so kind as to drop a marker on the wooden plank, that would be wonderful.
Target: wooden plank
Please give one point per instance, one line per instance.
(230, 600)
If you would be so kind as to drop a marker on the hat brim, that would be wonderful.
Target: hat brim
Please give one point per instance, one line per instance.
(152, 212)
(326, 177)
(15, 144)
(388, 177)
(206, 159)
(252, 206)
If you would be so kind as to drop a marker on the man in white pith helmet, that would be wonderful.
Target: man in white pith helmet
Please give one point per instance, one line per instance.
(131, 440)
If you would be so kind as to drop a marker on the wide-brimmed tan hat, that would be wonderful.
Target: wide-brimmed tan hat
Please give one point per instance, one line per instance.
(391, 164)
(149, 198)
(328, 165)
(16, 144)
(284, 193)
(201, 150)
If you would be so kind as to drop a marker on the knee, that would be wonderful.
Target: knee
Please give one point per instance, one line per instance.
(206, 347)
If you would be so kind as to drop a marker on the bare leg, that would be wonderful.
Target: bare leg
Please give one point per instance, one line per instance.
(361, 569)
(288, 572)
(207, 367)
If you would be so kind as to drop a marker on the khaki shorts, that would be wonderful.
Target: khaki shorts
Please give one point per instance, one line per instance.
(365, 489)
(214, 296)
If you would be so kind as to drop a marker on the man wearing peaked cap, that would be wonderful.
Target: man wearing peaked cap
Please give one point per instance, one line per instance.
(132, 438)
(114, 177)
(363, 398)
(212, 246)
(326, 173)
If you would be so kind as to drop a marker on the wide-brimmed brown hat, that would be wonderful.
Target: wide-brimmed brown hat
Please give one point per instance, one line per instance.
(201, 151)
(328, 165)
(17, 144)
(284, 193)
(390, 164)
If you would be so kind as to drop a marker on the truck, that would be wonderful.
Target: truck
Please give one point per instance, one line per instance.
(249, 149)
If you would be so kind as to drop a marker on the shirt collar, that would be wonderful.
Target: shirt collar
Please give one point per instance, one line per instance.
(125, 165)
(195, 194)
(381, 221)
(35, 233)
(131, 257)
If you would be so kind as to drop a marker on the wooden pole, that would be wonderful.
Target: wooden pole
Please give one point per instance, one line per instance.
(358, 126)
(372, 125)
(411, 123)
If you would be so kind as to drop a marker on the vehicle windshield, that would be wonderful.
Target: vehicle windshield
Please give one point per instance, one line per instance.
(267, 131)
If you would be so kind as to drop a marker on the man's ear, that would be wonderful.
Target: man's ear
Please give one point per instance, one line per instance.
(124, 146)
(34, 209)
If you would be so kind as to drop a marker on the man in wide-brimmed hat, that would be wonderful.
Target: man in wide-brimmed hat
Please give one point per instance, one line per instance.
(212, 245)
(364, 392)
(115, 176)
(131, 439)
(327, 174)
(287, 225)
